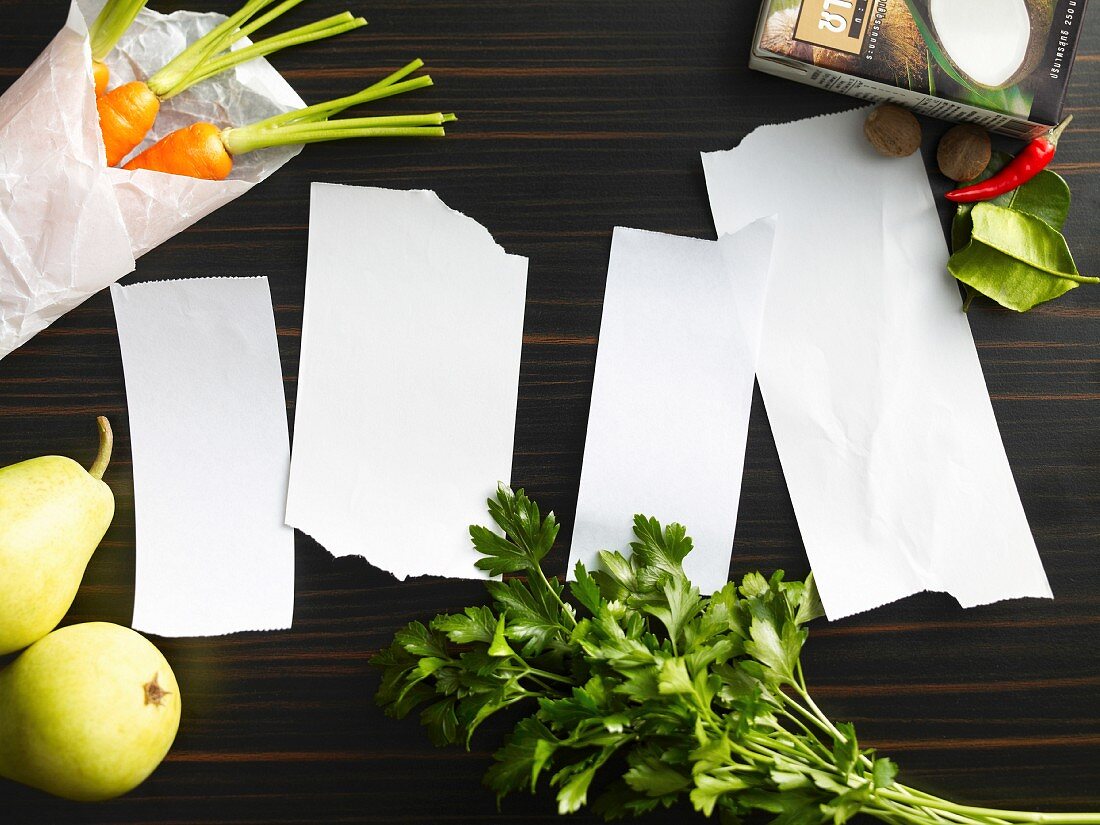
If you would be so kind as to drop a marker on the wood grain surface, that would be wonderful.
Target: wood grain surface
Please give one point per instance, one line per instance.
(577, 117)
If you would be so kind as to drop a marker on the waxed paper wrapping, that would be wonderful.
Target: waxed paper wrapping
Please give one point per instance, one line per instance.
(69, 225)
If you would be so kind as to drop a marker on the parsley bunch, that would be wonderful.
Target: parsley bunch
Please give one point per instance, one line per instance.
(671, 693)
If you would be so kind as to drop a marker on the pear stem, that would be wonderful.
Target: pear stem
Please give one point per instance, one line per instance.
(106, 444)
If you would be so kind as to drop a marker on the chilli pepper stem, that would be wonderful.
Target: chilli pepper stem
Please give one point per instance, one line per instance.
(1032, 160)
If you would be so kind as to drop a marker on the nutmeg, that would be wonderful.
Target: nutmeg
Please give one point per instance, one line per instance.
(893, 131)
(964, 152)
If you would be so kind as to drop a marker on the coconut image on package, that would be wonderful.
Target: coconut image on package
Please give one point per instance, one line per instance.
(1004, 64)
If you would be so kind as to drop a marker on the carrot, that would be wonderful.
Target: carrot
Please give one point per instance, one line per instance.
(202, 150)
(101, 75)
(113, 19)
(127, 113)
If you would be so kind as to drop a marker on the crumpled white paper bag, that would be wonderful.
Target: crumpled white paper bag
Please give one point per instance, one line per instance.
(69, 225)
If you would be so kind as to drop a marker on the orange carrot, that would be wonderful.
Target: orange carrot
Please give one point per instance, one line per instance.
(113, 19)
(127, 113)
(101, 74)
(196, 151)
(202, 150)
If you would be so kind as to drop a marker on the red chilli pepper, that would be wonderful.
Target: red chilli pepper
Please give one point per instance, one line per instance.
(1030, 162)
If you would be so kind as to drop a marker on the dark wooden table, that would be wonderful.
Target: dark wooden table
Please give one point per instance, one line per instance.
(576, 117)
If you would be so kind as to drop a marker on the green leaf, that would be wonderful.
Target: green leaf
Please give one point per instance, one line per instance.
(501, 556)
(674, 678)
(846, 751)
(531, 535)
(787, 780)
(708, 789)
(527, 536)
(412, 694)
(574, 793)
(441, 722)
(1016, 259)
(754, 585)
(1011, 283)
(585, 589)
(500, 646)
(651, 776)
(681, 602)
(776, 649)
(615, 576)
(430, 664)
(662, 549)
(884, 772)
(474, 624)
(1023, 237)
(619, 801)
(1046, 196)
(809, 603)
(533, 619)
(419, 641)
(569, 712)
(519, 762)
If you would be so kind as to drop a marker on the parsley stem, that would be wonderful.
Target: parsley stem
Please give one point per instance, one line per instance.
(566, 609)
(985, 813)
(892, 813)
(939, 816)
(545, 674)
(762, 743)
(919, 795)
(825, 725)
(808, 739)
(816, 711)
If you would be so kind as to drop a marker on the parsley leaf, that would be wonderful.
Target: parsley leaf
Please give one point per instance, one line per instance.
(658, 693)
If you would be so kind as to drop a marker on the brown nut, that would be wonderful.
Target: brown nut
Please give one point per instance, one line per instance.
(893, 131)
(964, 152)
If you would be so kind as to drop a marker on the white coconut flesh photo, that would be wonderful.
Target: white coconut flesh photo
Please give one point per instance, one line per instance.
(990, 41)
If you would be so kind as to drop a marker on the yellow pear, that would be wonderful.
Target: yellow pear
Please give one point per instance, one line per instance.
(53, 514)
(87, 713)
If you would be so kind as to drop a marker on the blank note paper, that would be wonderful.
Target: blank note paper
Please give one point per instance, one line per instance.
(211, 453)
(672, 392)
(406, 406)
(870, 376)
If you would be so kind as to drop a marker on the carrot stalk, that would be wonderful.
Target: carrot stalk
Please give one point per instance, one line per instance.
(109, 25)
(213, 57)
(320, 111)
(203, 150)
(264, 19)
(329, 27)
(238, 141)
(218, 39)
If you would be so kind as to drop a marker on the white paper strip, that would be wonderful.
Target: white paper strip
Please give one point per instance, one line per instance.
(211, 454)
(870, 376)
(672, 392)
(407, 388)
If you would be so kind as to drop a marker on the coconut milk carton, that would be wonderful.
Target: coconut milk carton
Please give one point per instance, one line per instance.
(1003, 64)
